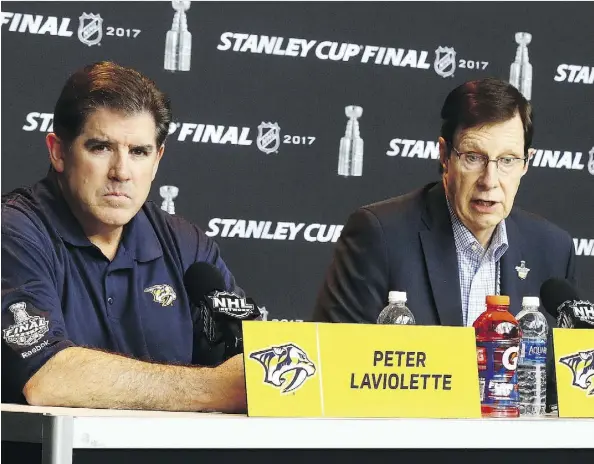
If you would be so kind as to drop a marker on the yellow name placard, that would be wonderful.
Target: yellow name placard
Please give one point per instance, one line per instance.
(307, 369)
(574, 369)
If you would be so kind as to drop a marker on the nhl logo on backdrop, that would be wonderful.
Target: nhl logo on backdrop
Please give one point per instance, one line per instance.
(90, 29)
(268, 139)
(445, 61)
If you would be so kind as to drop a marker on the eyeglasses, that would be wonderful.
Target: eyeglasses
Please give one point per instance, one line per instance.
(476, 162)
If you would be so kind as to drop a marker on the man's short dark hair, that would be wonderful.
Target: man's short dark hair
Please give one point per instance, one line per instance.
(108, 85)
(484, 101)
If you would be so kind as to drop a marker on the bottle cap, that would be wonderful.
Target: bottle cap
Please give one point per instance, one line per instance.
(498, 300)
(396, 296)
(531, 301)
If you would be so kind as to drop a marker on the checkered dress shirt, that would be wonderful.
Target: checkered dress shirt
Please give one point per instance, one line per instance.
(478, 268)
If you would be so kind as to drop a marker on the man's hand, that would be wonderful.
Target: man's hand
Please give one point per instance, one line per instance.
(232, 376)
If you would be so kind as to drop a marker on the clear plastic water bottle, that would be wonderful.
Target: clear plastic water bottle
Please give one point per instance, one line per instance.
(396, 312)
(532, 379)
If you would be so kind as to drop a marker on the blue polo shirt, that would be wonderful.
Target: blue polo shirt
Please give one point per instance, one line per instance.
(59, 290)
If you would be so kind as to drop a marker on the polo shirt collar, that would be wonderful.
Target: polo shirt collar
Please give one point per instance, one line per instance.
(139, 237)
(55, 206)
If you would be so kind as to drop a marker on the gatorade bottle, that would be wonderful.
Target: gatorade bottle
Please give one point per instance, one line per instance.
(497, 346)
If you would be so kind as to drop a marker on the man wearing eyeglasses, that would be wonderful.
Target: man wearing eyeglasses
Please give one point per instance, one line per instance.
(451, 243)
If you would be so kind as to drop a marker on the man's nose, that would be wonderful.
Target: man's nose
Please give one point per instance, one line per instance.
(120, 167)
(489, 178)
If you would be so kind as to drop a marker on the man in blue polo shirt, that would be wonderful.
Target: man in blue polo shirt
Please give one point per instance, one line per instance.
(94, 311)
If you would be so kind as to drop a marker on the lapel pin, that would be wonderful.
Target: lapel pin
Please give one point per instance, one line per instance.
(522, 270)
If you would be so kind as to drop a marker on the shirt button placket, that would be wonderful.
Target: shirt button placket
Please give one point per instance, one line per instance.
(109, 291)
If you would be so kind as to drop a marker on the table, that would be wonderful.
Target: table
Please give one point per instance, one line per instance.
(61, 430)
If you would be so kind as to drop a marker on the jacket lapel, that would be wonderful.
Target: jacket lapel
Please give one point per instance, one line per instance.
(439, 250)
(511, 284)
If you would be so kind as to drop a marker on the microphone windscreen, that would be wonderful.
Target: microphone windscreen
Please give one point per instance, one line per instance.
(554, 292)
(202, 278)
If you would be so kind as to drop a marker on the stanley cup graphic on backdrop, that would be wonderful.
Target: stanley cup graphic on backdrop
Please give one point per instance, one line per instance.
(178, 44)
(168, 193)
(350, 156)
(520, 71)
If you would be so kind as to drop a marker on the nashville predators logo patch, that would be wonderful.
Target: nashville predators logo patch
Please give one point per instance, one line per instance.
(162, 294)
(582, 368)
(287, 367)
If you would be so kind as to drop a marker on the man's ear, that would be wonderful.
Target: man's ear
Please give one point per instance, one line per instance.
(57, 151)
(443, 154)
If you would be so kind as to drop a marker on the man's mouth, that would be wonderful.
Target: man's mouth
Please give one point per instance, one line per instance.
(484, 202)
(116, 194)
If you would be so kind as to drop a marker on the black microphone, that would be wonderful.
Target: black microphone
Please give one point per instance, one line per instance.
(221, 311)
(562, 301)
